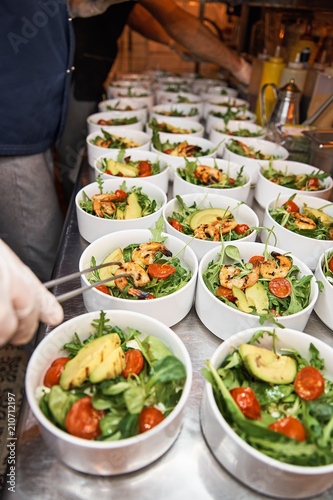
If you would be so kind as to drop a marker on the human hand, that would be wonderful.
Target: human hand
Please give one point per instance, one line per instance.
(24, 301)
(89, 8)
(244, 72)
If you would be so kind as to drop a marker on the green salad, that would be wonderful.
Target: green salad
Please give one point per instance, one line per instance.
(126, 167)
(178, 148)
(302, 182)
(231, 114)
(242, 149)
(179, 112)
(327, 266)
(167, 127)
(241, 132)
(280, 405)
(113, 385)
(111, 141)
(202, 175)
(117, 121)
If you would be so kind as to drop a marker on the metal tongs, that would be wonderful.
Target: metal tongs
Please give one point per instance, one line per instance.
(78, 291)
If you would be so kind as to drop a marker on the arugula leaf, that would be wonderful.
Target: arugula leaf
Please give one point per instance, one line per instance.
(157, 231)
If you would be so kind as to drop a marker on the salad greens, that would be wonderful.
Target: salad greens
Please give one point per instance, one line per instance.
(118, 121)
(327, 266)
(226, 182)
(166, 127)
(178, 148)
(155, 167)
(242, 149)
(241, 132)
(179, 112)
(277, 401)
(112, 141)
(303, 182)
(159, 384)
(231, 114)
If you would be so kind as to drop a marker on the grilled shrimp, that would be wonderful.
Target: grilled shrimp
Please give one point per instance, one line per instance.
(145, 253)
(228, 276)
(104, 201)
(269, 269)
(303, 222)
(214, 229)
(139, 276)
(185, 149)
(208, 175)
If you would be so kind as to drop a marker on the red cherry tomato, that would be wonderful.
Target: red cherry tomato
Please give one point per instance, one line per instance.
(150, 296)
(290, 206)
(241, 228)
(309, 383)
(313, 183)
(222, 291)
(197, 175)
(83, 419)
(291, 427)
(103, 288)
(52, 375)
(134, 363)
(149, 418)
(247, 402)
(120, 193)
(160, 271)
(168, 151)
(273, 311)
(231, 180)
(102, 122)
(176, 225)
(330, 265)
(144, 169)
(280, 287)
(256, 258)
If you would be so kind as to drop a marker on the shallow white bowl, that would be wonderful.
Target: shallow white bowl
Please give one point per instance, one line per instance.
(218, 91)
(241, 212)
(179, 123)
(219, 102)
(140, 94)
(266, 147)
(264, 474)
(169, 309)
(161, 180)
(112, 457)
(247, 117)
(158, 110)
(211, 310)
(217, 134)
(200, 85)
(308, 250)
(323, 307)
(241, 193)
(266, 190)
(93, 152)
(137, 108)
(175, 98)
(91, 227)
(92, 120)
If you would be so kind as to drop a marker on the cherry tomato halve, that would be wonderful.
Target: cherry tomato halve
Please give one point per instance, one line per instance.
(222, 291)
(134, 363)
(256, 258)
(290, 206)
(280, 287)
(241, 228)
(168, 151)
(120, 193)
(160, 271)
(82, 420)
(102, 122)
(247, 402)
(176, 225)
(330, 265)
(53, 373)
(309, 383)
(313, 183)
(103, 288)
(144, 169)
(149, 418)
(291, 427)
(231, 180)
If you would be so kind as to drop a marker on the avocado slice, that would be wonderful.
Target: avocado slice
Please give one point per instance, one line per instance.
(78, 369)
(241, 300)
(256, 296)
(110, 367)
(106, 272)
(133, 209)
(119, 214)
(327, 220)
(155, 348)
(208, 216)
(265, 365)
(116, 168)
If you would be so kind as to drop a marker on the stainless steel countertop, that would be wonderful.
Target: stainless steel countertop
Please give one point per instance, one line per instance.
(187, 471)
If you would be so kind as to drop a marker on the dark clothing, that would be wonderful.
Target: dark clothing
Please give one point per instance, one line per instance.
(37, 45)
(96, 50)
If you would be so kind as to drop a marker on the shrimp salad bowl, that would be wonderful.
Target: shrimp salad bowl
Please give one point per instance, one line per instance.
(265, 422)
(91, 384)
(324, 274)
(252, 284)
(157, 275)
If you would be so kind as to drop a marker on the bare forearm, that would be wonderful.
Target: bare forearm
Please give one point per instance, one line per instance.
(141, 21)
(89, 8)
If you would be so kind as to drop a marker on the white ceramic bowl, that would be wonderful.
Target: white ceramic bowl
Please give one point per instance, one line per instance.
(159, 110)
(241, 212)
(211, 310)
(178, 98)
(256, 470)
(241, 193)
(175, 161)
(246, 116)
(93, 151)
(183, 123)
(92, 120)
(266, 147)
(218, 103)
(306, 249)
(218, 91)
(169, 309)
(266, 190)
(200, 85)
(217, 132)
(323, 307)
(129, 106)
(140, 94)
(110, 457)
(161, 180)
(91, 227)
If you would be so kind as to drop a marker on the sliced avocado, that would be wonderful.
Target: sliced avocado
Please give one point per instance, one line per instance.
(257, 296)
(155, 349)
(119, 214)
(208, 216)
(250, 349)
(110, 367)
(241, 300)
(133, 209)
(116, 167)
(112, 166)
(106, 272)
(327, 220)
(78, 369)
(261, 365)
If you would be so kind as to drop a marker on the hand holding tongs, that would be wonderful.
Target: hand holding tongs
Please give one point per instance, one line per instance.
(78, 291)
